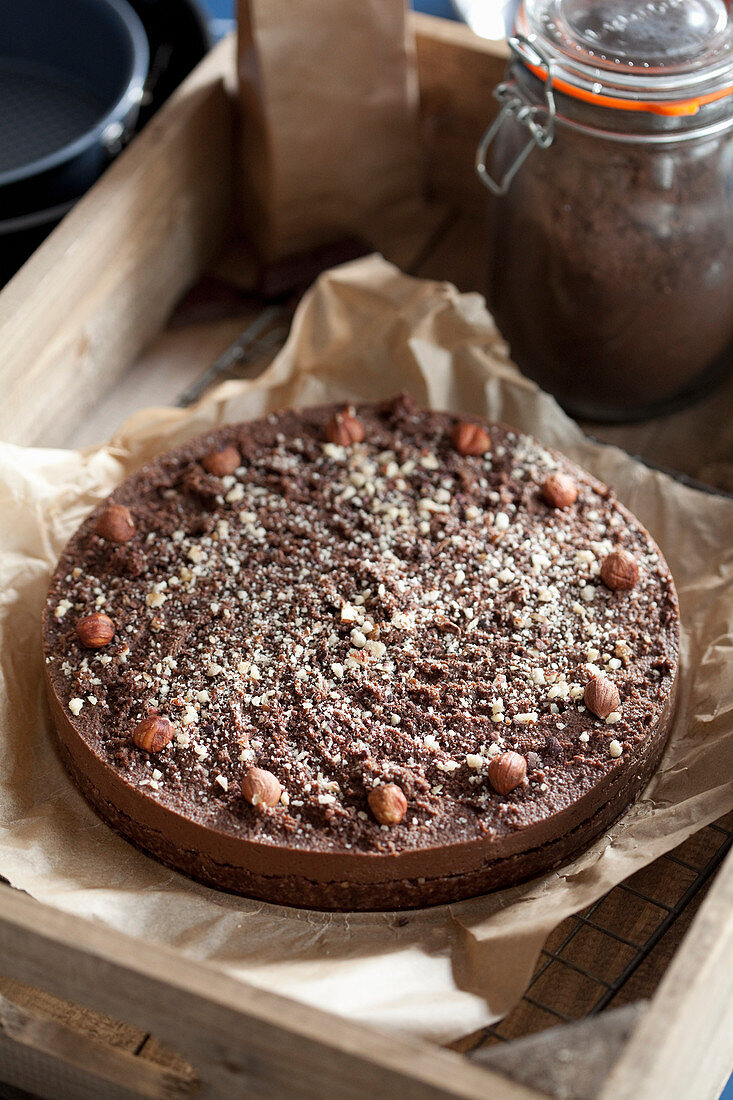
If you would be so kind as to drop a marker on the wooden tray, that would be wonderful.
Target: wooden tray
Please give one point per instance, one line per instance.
(73, 326)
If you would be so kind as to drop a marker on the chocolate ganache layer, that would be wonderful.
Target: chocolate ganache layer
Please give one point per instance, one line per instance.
(363, 658)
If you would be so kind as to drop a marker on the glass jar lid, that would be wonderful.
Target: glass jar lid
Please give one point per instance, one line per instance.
(668, 56)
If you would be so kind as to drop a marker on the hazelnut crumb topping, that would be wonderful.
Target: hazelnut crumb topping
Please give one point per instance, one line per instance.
(342, 613)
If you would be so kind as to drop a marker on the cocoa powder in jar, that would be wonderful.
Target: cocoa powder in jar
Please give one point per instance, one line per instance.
(611, 264)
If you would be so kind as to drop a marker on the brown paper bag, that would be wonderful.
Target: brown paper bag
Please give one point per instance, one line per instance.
(329, 145)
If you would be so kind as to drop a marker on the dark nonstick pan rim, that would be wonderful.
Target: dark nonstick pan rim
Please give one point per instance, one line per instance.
(35, 219)
(128, 102)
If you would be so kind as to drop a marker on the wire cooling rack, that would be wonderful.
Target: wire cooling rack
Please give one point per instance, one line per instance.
(616, 950)
(606, 954)
(248, 356)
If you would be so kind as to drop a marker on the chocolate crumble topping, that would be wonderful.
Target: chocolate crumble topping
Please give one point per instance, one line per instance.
(389, 611)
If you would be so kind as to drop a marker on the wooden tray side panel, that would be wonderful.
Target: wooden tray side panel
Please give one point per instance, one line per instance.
(240, 1039)
(101, 286)
(55, 1061)
(458, 72)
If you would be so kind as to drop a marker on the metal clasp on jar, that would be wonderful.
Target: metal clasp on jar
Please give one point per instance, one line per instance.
(537, 119)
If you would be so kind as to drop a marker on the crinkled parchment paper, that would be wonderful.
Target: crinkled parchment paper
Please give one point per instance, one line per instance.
(364, 331)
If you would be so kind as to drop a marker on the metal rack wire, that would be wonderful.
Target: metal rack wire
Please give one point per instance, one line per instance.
(608, 990)
(247, 356)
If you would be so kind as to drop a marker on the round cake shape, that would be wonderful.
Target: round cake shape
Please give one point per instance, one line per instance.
(361, 658)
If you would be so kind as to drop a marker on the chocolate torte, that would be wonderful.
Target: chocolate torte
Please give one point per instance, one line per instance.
(361, 658)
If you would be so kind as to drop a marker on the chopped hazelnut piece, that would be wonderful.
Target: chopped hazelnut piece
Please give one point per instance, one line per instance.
(344, 429)
(261, 788)
(601, 696)
(95, 630)
(620, 571)
(507, 771)
(223, 462)
(559, 491)
(470, 439)
(153, 733)
(115, 524)
(388, 804)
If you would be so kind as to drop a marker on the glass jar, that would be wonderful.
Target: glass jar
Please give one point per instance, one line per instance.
(610, 167)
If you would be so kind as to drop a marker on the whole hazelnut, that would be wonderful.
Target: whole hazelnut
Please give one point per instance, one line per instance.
(601, 696)
(507, 771)
(470, 439)
(153, 733)
(559, 491)
(115, 524)
(619, 570)
(388, 804)
(344, 429)
(261, 788)
(223, 462)
(96, 630)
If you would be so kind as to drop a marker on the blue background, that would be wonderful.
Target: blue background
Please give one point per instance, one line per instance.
(224, 10)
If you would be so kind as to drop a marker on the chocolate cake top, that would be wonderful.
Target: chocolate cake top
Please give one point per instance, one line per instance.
(333, 645)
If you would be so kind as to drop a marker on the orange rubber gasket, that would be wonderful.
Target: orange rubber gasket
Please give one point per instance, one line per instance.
(674, 107)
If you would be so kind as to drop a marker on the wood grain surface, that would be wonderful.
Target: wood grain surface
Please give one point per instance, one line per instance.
(241, 1039)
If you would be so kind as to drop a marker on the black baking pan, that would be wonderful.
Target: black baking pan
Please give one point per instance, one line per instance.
(72, 75)
(71, 80)
(22, 235)
(179, 37)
